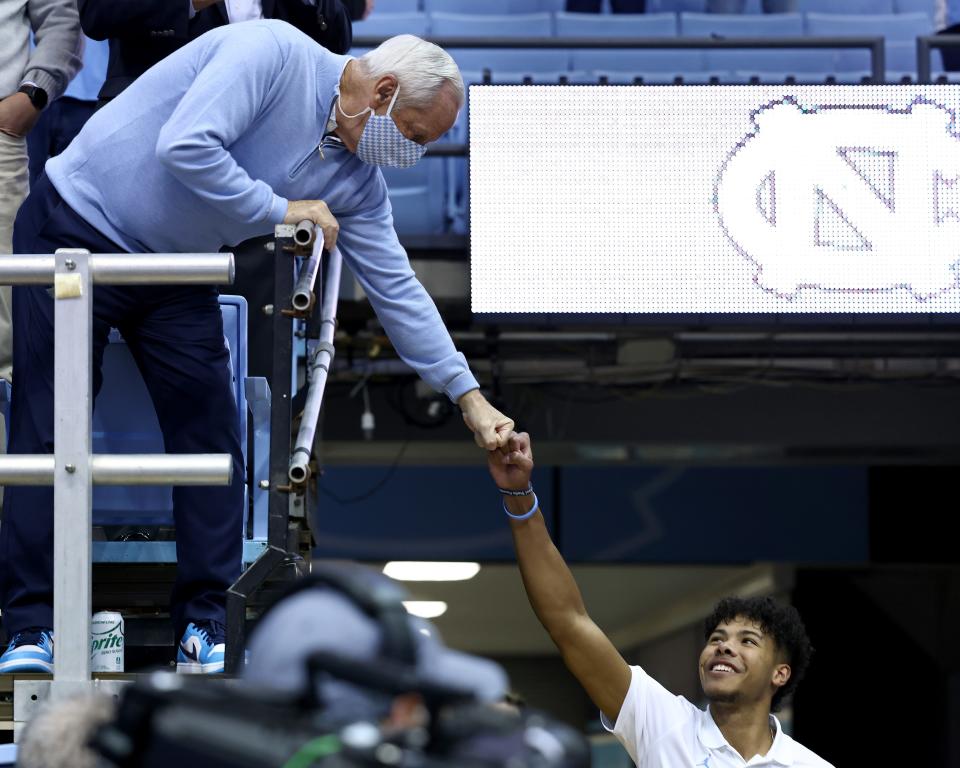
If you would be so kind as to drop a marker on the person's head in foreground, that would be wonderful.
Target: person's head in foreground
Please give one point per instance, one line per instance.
(370, 659)
(756, 653)
(396, 99)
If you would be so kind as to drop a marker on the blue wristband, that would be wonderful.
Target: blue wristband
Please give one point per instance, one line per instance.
(533, 510)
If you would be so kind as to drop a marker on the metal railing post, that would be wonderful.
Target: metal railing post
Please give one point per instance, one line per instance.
(72, 484)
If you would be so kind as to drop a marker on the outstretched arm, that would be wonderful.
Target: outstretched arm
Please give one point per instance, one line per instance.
(551, 589)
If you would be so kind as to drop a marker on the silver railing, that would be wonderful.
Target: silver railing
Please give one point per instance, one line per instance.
(72, 469)
(318, 364)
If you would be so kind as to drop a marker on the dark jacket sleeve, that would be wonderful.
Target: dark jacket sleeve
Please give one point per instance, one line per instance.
(105, 19)
(355, 8)
(328, 22)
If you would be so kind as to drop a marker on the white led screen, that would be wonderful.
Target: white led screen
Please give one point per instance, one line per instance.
(715, 199)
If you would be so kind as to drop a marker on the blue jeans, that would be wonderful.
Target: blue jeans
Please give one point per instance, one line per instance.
(175, 334)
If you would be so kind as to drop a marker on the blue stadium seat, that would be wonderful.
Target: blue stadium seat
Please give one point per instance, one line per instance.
(928, 7)
(616, 25)
(124, 421)
(676, 6)
(390, 24)
(902, 27)
(745, 25)
(895, 28)
(397, 6)
(846, 6)
(633, 61)
(418, 197)
(490, 25)
(741, 25)
(901, 57)
(496, 7)
(511, 59)
(789, 59)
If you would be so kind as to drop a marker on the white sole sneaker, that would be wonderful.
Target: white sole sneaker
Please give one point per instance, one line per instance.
(19, 665)
(195, 668)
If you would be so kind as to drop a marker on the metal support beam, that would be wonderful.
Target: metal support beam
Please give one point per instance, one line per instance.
(73, 484)
(281, 386)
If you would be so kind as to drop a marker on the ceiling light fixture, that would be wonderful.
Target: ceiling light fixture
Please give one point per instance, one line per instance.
(411, 570)
(425, 609)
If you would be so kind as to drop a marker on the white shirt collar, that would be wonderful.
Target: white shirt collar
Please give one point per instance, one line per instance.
(712, 738)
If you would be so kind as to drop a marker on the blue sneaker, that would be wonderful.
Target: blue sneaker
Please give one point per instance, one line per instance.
(201, 648)
(29, 651)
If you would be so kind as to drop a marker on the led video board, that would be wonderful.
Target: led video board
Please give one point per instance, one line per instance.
(715, 199)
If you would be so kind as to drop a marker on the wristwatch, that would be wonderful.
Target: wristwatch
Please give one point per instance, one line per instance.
(36, 94)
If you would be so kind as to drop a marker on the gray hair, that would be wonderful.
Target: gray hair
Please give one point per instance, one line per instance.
(58, 734)
(421, 69)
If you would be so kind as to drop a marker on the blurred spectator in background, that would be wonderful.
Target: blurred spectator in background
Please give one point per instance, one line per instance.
(28, 81)
(141, 32)
(59, 734)
(617, 6)
(738, 6)
(359, 9)
(64, 118)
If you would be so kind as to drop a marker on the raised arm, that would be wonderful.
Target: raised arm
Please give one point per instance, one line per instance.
(371, 249)
(552, 590)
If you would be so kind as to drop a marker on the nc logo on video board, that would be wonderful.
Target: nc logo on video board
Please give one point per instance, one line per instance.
(855, 198)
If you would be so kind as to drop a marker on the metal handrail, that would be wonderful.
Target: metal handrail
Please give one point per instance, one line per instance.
(318, 366)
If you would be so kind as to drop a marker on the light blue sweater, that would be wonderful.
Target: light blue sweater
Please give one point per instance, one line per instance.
(206, 148)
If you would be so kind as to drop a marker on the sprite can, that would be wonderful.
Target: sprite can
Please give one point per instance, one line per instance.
(106, 642)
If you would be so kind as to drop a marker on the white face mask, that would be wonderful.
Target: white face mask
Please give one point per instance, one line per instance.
(381, 142)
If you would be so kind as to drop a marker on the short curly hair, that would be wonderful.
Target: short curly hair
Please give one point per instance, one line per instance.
(782, 622)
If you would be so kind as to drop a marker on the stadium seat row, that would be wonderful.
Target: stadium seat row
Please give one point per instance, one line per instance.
(893, 26)
(652, 6)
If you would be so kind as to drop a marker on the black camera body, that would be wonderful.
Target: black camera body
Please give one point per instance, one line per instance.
(167, 720)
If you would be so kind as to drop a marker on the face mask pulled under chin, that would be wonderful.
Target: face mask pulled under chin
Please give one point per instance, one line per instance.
(382, 143)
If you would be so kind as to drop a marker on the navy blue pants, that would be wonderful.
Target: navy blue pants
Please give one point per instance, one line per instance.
(175, 334)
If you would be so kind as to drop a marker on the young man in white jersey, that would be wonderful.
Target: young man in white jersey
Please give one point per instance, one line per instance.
(754, 655)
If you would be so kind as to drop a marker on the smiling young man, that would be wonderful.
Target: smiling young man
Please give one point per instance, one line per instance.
(755, 653)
